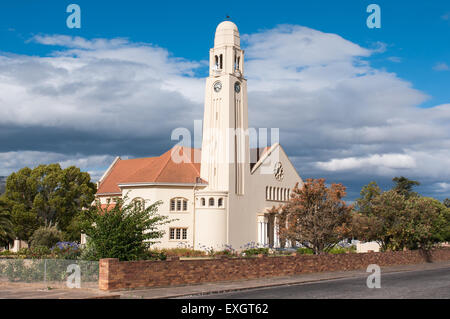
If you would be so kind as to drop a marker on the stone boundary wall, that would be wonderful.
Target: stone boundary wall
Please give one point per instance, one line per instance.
(116, 275)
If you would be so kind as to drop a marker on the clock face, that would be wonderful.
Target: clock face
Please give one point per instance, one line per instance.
(217, 86)
(278, 171)
(237, 87)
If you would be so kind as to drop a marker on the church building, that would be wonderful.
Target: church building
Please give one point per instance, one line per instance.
(219, 195)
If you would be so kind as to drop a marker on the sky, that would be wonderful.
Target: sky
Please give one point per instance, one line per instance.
(353, 104)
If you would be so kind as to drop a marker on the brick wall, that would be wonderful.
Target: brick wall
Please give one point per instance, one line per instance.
(115, 275)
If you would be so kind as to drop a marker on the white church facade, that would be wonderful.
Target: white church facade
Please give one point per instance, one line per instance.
(219, 195)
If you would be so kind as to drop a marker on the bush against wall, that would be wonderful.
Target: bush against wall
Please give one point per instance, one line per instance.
(122, 230)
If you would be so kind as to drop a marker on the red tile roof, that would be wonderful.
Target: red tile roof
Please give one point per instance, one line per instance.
(162, 169)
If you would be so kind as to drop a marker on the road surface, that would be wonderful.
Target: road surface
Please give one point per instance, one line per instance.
(434, 283)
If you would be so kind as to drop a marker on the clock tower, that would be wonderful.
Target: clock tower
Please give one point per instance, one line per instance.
(225, 152)
(225, 145)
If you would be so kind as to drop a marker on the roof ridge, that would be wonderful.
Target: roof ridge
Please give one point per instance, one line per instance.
(109, 170)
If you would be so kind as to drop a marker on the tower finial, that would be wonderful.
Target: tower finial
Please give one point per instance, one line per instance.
(227, 17)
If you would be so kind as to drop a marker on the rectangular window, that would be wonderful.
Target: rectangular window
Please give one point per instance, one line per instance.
(178, 233)
(172, 205)
(184, 205)
(179, 204)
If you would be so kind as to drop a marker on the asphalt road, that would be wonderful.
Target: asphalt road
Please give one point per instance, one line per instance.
(433, 283)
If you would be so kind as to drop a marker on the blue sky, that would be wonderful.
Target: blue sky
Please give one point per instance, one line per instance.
(412, 49)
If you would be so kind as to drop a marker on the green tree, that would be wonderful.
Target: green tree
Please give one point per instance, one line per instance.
(365, 202)
(427, 222)
(47, 195)
(397, 222)
(404, 186)
(445, 212)
(316, 216)
(122, 230)
(46, 236)
(365, 225)
(446, 202)
(387, 216)
(6, 225)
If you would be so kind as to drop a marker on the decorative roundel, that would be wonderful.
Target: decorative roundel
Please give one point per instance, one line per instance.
(278, 171)
(217, 86)
(237, 87)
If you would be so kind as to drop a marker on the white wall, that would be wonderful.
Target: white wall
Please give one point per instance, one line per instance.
(365, 247)
(152, 194)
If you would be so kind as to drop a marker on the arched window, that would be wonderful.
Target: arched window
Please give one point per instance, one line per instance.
(221, 61)
(178, 204)
(267, 192)
(278, 193)
(203, 202)
(273, 193)
(220, 202)
(236, 61)
(211, 201)
(216, 62)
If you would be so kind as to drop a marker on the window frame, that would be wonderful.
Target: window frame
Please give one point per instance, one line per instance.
(178, 205)
(178, 233)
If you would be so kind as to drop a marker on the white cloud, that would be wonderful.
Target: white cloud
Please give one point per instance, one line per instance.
(443, 187)
(441, 66)
(382, 162)
(99, 85)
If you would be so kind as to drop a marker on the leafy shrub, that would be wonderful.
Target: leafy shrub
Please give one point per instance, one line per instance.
(121, 230)
(228, 251)
(154, 255)
(305, 251)
(45, 236)
(180, 252)
(225, 252)
(256, 251)
(24, 252)
(6, 253)
(342, 250)
(38, 252)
